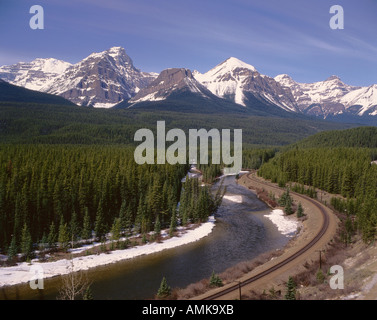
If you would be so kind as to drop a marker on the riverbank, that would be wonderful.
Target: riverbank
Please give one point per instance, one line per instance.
(14, 275)
(288, 226)
(294, 259)
(358, 260)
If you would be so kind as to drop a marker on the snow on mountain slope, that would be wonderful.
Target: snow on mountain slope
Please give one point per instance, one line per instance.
(331, 96)
(170, 81)
(233, 78)
(35, 74)
(365, 97)
(102, 79)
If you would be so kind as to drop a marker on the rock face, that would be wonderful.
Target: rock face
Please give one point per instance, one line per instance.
(168, 82)
(102, 79)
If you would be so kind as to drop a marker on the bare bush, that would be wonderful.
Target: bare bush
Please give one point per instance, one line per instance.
(74, 285)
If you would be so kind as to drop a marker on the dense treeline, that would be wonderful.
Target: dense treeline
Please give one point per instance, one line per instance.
(361, 137)
(54, 124)
(253, 158)
(52, 193)
(345, 171)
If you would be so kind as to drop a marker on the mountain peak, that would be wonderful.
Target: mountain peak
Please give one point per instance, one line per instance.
(333, 77)
(116, 49)
(169, 81)
(228, 68)
(114, 52)
(284, 79)
(281, 77)
(233, 63)
(182, 72)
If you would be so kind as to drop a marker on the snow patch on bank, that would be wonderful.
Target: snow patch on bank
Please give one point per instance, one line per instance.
(21, 272)
(233, 198)
(285, 225)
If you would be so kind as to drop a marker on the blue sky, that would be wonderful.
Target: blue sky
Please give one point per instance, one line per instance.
(285, 36)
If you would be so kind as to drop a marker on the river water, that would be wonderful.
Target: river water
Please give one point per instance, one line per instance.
(241, 233)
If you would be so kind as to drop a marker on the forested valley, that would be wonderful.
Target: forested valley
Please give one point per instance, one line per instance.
(52, 195)
(346, 170)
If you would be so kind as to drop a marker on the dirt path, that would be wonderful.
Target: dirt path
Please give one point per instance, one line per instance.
(312, 226)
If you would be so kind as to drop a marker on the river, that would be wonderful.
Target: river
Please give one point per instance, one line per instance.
(241, 233)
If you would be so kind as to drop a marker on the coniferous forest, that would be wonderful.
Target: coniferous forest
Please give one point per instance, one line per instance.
(53, 194)
(347, 171)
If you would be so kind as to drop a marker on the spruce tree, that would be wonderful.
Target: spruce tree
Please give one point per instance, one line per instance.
(116, 230)
(215, 280)
(86, 228)
(26, 243)
(291, 289)
(63, 237)
(12, 251)
(164, 290)
(100, 227)
(74, 227)
(52, 236)
(288, 207)
(157, 226)
(124, 223)
(173, 222)
(300, 210)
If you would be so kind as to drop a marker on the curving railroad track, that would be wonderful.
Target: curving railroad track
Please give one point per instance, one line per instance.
(292, 257)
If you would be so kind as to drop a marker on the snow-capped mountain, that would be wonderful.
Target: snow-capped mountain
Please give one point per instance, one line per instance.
(102, 79)
(362, 101)
(168, 82)
(331, 97)
(236, 80)
(34, 75)
(177, 89)
(107, 78)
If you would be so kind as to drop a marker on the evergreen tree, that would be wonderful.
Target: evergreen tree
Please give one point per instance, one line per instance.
(63, 237)
(43, 244)
(291, 289)
(215, 280)
(116, 230)
(86, 229)
(124, 216)
(12, 251)
(100, 227)
(164, 290)
(300, 210)
(26, 243)
(157, 226)
(52, 236)
(288, 207)
(74, 227)
(173, 222)
(320, 276)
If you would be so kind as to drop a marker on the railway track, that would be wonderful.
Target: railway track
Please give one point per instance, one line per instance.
(319, 235)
